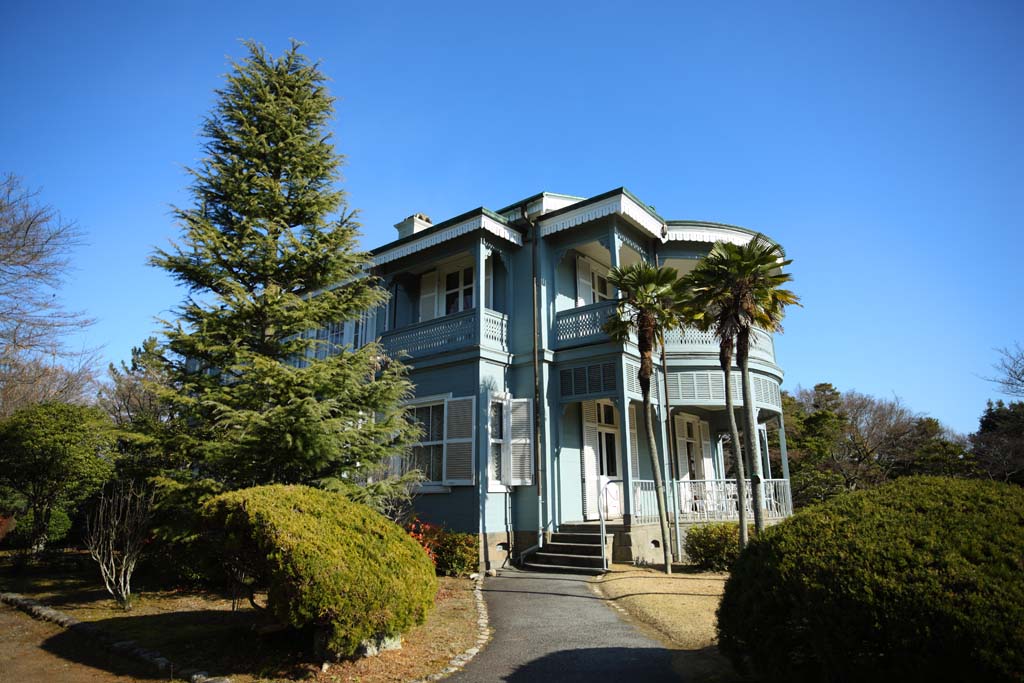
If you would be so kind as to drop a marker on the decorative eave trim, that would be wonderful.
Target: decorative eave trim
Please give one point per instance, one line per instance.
(619, 203)
(707, 232)
(479, 222)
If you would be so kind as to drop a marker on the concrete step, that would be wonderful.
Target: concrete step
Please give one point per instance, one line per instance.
(572, 537)
(544, 557)
(557, 569)
(557, 547)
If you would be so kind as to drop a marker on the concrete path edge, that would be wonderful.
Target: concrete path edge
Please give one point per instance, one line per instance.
(483, 635)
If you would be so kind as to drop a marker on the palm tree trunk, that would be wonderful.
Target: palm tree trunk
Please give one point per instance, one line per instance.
(725, 358)
(645, 345)
(659, 484)
(752, 443)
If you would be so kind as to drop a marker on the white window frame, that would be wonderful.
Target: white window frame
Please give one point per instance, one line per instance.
(588, 274)
(494, 479)
(445, 483)
(459, 290)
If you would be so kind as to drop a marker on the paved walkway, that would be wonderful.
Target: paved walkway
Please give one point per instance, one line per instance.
(553, 627)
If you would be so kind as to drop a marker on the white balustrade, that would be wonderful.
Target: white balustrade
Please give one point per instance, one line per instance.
(710, 500)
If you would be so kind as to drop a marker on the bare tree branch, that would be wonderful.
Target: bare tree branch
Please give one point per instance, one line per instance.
(116, 532)
(1011, 370)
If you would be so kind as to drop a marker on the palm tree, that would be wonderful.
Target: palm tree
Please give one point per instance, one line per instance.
(733, 290)
(648, 305)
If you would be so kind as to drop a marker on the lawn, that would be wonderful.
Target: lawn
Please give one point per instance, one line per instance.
(200, 629)
(680, 608)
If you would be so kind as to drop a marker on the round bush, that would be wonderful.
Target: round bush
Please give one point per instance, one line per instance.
(920, 579)
(713, 546)
(325, 562)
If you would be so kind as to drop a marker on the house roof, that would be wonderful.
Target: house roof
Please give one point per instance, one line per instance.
(574, 211)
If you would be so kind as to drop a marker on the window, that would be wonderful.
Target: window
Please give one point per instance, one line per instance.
(592, 284)
(458, 291)
(445, 452)
(496, 424)
(428, 455)
(602, 290)
(510, 437)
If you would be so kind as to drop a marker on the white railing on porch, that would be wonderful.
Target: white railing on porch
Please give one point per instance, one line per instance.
(709, 500)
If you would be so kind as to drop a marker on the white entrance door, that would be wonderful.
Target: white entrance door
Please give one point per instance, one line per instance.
(610, 463)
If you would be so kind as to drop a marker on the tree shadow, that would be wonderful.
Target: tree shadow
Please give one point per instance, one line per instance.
(650, 665)
(219, 641)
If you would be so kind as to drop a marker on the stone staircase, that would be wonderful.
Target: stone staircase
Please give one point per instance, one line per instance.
(573, 549)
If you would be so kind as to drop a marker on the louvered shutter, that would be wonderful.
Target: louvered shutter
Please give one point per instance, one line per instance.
(591, 478)
(682, 463)
(428, 296)
(517, 463)
(459, 429)
(584, 289)
(706, 452)
(634, 443)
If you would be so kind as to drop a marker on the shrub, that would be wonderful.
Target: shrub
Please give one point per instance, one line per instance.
(714, 546)
(454, 553)
(325, 562)
(20, 536)
(920, 579)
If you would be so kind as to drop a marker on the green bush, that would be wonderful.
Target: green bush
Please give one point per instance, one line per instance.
(21, 535)
(325, 562)
(457, 554)
(714, 546)
(918, 580)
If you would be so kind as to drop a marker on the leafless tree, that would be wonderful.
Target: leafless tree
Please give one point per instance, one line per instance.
(35, 243)
(1011, 370)
(116, 532)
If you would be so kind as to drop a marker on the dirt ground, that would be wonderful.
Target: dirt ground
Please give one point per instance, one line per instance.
(200, 630)
(680, 608)
(22, 657)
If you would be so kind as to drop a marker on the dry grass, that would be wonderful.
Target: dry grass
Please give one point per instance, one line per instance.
(681, 608)
(200, 629)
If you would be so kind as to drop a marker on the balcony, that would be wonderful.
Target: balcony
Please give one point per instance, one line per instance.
(449, 333)
(584, 325)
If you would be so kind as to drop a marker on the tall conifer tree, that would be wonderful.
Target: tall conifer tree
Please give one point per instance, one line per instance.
(268, 255)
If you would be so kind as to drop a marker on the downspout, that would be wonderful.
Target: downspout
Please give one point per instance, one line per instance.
(668, 436)
(538, 466)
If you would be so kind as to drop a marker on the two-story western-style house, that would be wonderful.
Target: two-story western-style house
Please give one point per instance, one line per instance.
(500, 314)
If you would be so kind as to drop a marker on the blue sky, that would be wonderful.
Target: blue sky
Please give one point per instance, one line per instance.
(880, 143)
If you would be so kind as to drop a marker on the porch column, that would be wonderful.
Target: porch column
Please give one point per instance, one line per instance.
(626, 448)
(480, 264)
(785, 460)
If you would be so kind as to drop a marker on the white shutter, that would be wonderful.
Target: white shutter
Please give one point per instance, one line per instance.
(428, 296)
(459, 428)
(584, 289)
(634, 443)
(706, 453)
(591, 478)
(517, 460)
(682, 462)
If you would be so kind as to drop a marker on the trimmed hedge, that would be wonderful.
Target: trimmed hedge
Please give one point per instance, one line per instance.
(714, 546)
(920, 579)
(326, 562)
(454, 553)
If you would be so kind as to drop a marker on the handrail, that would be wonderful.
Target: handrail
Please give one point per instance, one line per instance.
(603, 493)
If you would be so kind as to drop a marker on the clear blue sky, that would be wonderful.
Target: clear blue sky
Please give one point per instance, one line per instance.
(880, 143)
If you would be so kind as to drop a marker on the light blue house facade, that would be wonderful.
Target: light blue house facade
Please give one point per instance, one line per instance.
(529, 410)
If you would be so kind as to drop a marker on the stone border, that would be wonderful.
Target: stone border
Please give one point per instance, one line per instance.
(483, 635)
(128, 648)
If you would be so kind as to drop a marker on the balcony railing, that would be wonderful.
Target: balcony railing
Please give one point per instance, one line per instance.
(709, 500)
(449, 333)
(585, 325)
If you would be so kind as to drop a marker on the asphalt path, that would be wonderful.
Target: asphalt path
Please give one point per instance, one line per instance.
(554, 627)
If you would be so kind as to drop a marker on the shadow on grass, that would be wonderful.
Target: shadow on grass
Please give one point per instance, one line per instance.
(218, 641)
